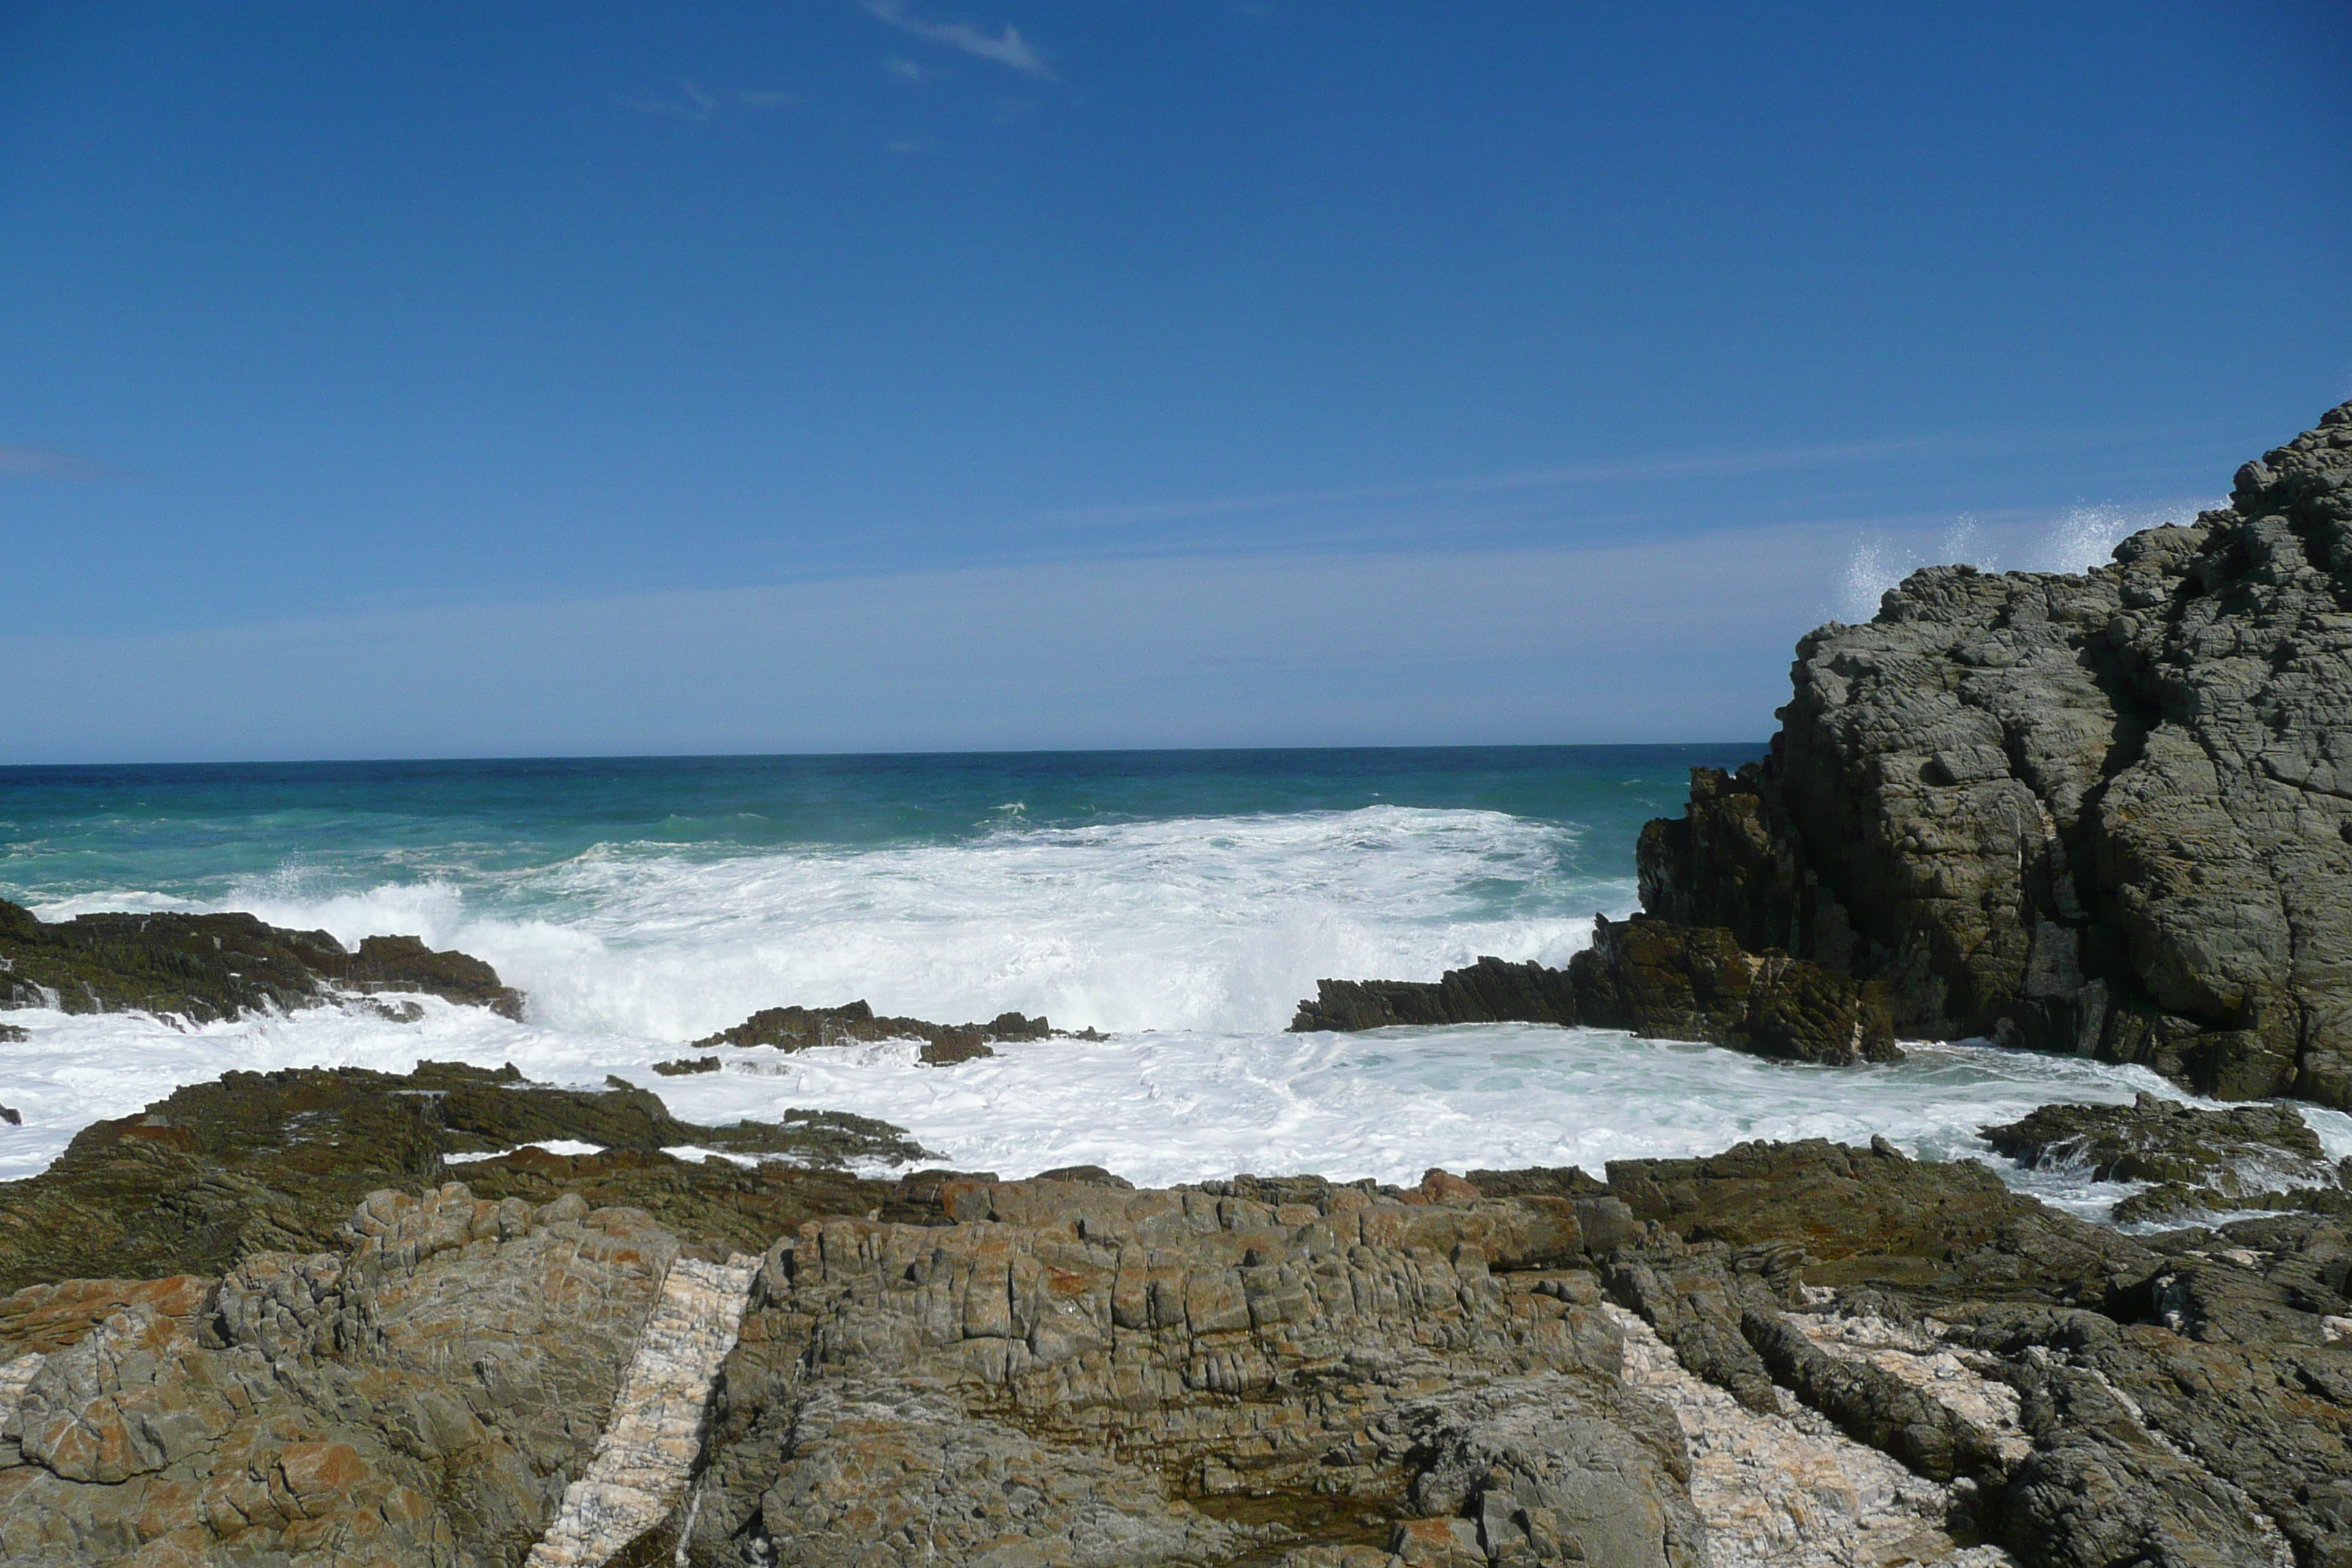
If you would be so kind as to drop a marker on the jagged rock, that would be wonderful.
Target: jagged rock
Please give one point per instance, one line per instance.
(206, 967)
(274, 1162)
(802, 1028)
(685, 1066)
(1646, 976)
(2243, 1157)
(2109, 814)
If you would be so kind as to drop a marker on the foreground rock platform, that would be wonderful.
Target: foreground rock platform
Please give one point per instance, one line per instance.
(1790, 1354)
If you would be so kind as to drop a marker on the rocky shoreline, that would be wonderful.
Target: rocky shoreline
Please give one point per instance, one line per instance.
(340, 1317)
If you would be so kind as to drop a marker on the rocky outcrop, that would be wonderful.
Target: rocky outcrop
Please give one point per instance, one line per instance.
(1647, 977)
(2107, 814)
(2250, 1156)
(803, 1028)
(207, 967)
(275, 1162)
(1068, 1372)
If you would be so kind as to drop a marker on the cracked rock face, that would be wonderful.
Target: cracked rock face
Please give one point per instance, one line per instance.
(2109, 814)
(1073, 1373)
(419, 1396)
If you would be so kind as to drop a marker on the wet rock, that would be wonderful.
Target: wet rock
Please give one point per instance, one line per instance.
(2105, 814)
(207, 967)
(274, 1162)
(1646, 976)
(2200, 1160)
(802, 1028)
(1489, 991)
(684, 1066)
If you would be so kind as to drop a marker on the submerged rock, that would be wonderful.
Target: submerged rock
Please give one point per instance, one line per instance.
(1644, 976)
(803, 1028)
(2199, 1161)
(208, 967)
(2108, 813)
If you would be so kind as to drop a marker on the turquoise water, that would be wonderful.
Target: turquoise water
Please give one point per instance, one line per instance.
(203, 833)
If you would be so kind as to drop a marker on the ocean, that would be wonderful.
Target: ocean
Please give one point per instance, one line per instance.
(1180, 902)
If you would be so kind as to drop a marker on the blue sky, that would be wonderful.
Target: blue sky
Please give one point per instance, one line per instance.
(455, 380)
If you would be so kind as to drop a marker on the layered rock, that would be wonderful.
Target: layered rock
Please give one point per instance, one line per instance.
(803, 1028)
(2108, 813)
(420, 1393)
(208, 967)
(1072, 1372)
(1647, 977)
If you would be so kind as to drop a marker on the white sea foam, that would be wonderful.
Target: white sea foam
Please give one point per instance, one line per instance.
(1189, 940)
(1161, 1107)
(1194, 922)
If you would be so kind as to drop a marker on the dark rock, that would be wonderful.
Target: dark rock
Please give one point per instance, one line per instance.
(275, 1162)
(2108, 813)
(684, 1066)
(14, 1034)
(1489, 991)
(208, 967)
(801, 1028)
(2199, 1159)
(1648, 977)
(12, 1116)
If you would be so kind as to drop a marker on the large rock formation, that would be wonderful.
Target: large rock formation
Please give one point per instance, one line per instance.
(1646, 976)
(2108, 813)
(206, 967)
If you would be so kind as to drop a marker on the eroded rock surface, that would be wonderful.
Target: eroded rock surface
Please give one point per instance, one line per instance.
(420, 1395)
(2108, 813)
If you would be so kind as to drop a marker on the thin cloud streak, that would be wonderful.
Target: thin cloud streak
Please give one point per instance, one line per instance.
(697, 105)
(1696, 465)
(41, 463)
(1006, 49)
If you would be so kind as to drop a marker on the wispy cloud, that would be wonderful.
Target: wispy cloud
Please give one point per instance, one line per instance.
(905, 69)
(39, 462)
(1691, 466)
(698, 105)
(1006, 49)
